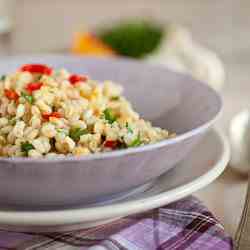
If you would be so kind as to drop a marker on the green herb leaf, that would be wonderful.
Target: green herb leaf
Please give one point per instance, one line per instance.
(3, 77)
(75, 133)
(121, 144)
(130, 130)
(115, 98)
(39, 77)
(136, 142)
(26, 147)
(109, 116)
(61, 130)
(133, 38)
(12, 121)
(27, 97)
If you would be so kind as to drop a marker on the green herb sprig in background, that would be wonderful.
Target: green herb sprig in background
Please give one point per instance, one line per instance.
(133, 38)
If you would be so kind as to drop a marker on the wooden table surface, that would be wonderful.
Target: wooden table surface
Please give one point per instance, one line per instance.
(222, 26)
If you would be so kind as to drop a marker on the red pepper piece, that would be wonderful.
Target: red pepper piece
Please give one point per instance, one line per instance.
(33, 86)
(11, 94)
(46, 116)
(37, 68)
(110, 144)
(77, 78)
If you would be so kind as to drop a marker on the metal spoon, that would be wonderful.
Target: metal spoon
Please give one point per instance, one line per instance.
(239, 135)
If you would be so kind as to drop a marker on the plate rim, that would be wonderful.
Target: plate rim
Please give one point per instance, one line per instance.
(71, 216)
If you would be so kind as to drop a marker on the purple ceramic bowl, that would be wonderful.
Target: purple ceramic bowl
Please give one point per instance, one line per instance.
(170, 100)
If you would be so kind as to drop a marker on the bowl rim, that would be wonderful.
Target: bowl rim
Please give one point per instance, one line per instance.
(122, 152)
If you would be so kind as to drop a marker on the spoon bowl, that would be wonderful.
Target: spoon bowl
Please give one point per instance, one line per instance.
(239, 134)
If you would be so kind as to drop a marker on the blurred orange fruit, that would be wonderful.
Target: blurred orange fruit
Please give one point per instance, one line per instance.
(89, 44)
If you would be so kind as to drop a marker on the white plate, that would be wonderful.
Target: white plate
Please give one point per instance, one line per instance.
(200, 168)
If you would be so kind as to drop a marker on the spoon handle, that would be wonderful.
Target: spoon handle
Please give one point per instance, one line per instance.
(242, 238)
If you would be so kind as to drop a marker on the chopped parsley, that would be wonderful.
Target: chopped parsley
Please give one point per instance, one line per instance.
(130, 130)
(136, 142)
(61, 130)
(3, 77)
(12, 121)
(27, 97)
(26, 147)
(109, 116)
(115, 98)
(75, 133)
(39, 77)
(121, 145)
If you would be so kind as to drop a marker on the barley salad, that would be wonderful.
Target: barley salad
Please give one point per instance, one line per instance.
(49, 112)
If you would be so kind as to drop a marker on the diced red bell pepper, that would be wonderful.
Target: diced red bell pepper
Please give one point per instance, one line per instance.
(110, 144)
(33, 86)
(11, 94)
(37, 68)
(73, 79)
(46, 116)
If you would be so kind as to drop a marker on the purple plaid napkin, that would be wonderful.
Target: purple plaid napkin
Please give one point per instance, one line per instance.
(185, 224)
